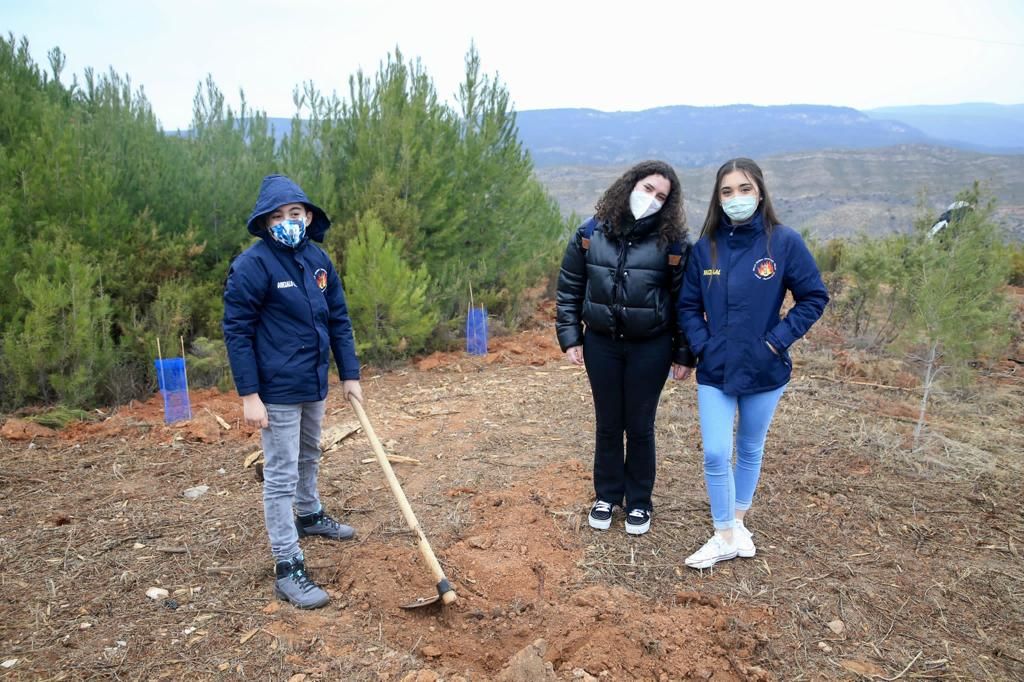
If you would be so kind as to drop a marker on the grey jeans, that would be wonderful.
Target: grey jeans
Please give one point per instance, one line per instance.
(291, 461)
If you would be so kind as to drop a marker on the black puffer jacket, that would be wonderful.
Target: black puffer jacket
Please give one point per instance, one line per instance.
(622, 286)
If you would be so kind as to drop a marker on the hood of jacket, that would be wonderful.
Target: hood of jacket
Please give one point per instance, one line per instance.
(278, 190)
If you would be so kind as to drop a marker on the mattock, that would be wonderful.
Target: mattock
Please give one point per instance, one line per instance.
(444, 589)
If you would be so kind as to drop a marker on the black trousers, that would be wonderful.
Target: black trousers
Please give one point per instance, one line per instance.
(626, 378)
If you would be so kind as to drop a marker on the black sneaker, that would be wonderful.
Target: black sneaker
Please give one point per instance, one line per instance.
(601, 515)
(294, 586)
(322, 524)
(638, 521)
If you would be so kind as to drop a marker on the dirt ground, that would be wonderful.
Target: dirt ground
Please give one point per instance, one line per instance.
(874, 561)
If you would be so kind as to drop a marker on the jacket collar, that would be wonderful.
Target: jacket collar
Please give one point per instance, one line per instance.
(278, 246)
(754, 225)
(636, 229)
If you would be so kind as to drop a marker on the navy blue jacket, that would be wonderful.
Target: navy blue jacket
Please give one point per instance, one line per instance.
(285, 310)
(730, 307)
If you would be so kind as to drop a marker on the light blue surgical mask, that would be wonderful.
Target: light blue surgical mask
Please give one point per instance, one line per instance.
(289, 232)
(740, 208)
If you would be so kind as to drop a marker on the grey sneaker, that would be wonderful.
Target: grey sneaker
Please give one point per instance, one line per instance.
(322, 524)
(293, 585)
(743, 539)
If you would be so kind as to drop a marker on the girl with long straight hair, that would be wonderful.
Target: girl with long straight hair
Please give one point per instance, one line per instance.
(729, 309)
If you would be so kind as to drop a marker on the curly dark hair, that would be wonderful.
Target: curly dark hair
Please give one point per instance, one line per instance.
(612, 208)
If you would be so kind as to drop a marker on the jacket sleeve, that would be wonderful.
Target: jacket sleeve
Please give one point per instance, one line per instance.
(572, 287)
(804, 280)
(681, 353)
(244, 291)
(343, 343)
(690, 308)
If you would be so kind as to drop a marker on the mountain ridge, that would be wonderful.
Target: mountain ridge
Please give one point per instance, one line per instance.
(691, 136)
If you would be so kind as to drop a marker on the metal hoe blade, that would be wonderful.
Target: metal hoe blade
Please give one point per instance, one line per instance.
(421, 602)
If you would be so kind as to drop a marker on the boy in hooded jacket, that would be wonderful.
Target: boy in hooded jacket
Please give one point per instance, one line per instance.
(284, 313)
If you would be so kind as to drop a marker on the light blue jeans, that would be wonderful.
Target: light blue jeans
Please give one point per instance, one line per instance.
(291, 462)
(731, 488)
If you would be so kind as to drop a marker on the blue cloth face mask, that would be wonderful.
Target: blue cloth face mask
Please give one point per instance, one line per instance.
(289, 232)
(740, 208)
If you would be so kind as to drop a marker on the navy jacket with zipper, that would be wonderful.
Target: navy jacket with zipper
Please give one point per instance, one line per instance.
(622, 286)
(729, 307)
(285, 310)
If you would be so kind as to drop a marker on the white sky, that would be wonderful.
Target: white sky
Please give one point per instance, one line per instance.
(568, 53)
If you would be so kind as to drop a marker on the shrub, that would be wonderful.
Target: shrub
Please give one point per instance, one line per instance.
(387, 299)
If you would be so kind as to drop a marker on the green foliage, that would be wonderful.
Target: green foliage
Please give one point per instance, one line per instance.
(62, 348)
(455, 188)
(87, 175)
(1016, 276)
(116, 234)
(208, 364)
(956, 285)
(59, 417)
(874, 304)
(827, 255)
(387, 298)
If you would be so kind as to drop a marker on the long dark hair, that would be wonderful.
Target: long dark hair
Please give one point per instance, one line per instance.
(715, 213)
(612, 208)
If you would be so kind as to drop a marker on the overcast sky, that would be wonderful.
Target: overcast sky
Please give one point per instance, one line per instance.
(609, 56)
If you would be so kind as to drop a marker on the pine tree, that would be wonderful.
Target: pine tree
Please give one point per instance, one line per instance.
(387, 298)
(956, 286)
(62, 348)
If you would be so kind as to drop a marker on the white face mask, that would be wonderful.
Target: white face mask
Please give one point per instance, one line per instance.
(643, 204)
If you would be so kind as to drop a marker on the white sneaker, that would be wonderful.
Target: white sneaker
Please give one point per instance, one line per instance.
(714, 550)
(742, 538)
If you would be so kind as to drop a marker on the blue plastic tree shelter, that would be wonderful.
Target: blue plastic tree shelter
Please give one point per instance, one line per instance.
(173, 380)
(476, 327)
(476, 331)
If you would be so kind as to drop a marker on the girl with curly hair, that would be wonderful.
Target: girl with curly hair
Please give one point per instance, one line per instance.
(616, 303)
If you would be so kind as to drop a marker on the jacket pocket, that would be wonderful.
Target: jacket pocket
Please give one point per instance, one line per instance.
(711, 361)
(772, 368)
(271, 364)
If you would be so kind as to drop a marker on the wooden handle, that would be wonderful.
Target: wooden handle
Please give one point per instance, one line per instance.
(444, 588)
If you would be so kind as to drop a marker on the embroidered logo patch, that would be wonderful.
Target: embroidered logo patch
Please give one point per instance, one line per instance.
(321, 278)
(712, 272)
(286, 285)
(764, 268)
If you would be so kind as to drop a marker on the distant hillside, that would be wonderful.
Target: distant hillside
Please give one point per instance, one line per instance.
(694, 136)
(834, 192)
(984, 127)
